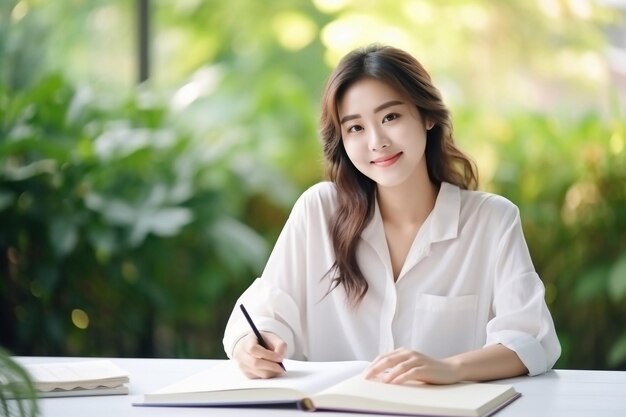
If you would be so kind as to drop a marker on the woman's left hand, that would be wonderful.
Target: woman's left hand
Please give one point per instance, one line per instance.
(404, 365)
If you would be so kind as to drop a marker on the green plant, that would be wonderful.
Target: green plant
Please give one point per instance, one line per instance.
(567, 176)
(17, 392)
(116, 222)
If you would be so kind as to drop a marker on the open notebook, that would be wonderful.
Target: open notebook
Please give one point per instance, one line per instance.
(80, 378)
(336, 386)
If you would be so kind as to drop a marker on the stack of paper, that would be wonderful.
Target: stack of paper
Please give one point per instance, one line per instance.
(90, 377)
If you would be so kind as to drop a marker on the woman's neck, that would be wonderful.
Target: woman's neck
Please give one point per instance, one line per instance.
(408, 204)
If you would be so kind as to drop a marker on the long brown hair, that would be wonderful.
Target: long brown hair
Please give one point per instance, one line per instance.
(356, 192)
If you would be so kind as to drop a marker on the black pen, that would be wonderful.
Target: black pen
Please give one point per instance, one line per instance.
(259, 338)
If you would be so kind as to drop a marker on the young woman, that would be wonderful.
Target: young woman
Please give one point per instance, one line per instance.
(396, 260)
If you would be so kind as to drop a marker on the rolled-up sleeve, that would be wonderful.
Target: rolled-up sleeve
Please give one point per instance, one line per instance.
(276, 300)
(272, 310)
(522, 321)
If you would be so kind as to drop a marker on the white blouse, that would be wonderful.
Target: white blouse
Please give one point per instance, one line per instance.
(467, 282)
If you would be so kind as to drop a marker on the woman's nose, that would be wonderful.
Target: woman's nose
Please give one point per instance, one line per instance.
(378, 140)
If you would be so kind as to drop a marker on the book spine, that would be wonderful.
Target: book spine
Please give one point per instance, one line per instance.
(306, 404)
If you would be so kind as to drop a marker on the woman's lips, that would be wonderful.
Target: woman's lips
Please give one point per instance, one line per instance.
(385, 161)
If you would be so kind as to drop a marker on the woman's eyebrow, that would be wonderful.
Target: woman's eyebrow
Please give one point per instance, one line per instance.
(376, 110)
(349, 117)
(387, 104)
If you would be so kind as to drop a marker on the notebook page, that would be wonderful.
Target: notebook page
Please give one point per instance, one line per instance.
(306, 377)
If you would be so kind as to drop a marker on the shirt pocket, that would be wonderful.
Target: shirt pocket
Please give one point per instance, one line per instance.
(444, 326)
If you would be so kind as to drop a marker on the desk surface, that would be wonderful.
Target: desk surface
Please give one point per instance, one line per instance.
(566, 393)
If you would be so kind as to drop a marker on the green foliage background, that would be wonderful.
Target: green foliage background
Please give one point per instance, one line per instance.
(132, 216)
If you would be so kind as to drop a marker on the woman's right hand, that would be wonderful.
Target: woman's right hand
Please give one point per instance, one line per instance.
(257, 362)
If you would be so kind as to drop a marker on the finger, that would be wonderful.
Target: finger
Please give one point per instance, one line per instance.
(424, 369)
(272, 355)
(380, 366)
(276, 344)
(254, 360)
(259, 368)
(384, 362)
(396, 363)
(427, 374)
(401, 368)
(411, 374)
(253, 373)
(408, 369)
(396, 355)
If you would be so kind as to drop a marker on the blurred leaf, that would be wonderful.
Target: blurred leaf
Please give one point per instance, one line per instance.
(115, 211)
(20, 173)
(104, 241)
(241, 247)
(63, 236)
(617, 280)
(18, 396)
(121, 141)
(6, 199)
(591, 285)
(161, 222)
(617, 354)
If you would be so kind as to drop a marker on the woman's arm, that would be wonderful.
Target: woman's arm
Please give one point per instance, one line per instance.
(277, 300)
(488, 363)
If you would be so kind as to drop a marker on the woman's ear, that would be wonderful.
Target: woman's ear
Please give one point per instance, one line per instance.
(429, 124)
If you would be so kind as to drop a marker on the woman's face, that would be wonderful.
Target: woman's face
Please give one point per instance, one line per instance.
(383, 133)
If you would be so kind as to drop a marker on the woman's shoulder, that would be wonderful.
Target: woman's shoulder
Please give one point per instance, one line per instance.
(319, 196)
(488, 199)
(323, 192)
(488, 206)
(322, 189)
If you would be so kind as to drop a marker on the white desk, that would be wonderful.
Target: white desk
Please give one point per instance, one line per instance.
(559, 393)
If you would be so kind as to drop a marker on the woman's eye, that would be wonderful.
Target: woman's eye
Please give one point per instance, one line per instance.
(390, 117)
(355, 128)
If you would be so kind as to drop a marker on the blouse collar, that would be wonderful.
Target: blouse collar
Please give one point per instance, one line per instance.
(441, 224)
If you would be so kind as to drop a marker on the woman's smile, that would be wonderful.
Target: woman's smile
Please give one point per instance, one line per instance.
(386, 161)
